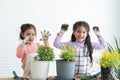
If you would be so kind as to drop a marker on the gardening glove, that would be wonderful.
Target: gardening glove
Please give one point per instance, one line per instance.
(45, 36)
(64, 28)
(96, 31)
(25, 41)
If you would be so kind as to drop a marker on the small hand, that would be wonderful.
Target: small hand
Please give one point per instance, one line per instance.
(96, 30)
(45, 36)
(64, 28)
(25, 41)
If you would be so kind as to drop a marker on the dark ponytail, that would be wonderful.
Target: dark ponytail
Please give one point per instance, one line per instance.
(89, 47)
(73, 37)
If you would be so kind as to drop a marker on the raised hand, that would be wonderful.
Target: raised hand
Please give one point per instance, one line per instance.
(96, 30)
(45, 36)
(64, 28)
(25, 41)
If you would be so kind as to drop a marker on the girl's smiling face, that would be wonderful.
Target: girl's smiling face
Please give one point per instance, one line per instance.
(80, 34)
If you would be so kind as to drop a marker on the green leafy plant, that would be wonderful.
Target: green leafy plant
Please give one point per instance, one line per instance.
(68, 53)
(45, 53)
(116, 47)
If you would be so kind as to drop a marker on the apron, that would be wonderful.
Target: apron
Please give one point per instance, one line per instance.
(29, 58)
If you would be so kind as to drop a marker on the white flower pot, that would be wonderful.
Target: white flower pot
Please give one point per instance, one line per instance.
(39, 69)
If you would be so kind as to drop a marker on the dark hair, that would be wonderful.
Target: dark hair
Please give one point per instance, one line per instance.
(24, 27)
(88, 40)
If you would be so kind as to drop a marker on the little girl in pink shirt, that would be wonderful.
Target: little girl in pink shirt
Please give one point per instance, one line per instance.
(28, 46)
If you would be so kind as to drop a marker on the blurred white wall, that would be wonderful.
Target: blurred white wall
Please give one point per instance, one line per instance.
(49, 15)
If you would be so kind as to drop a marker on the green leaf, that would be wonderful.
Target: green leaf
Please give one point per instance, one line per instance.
(45, 53)
(110, 48)
(117, 45)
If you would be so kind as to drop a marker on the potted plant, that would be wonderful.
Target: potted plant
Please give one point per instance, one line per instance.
(116, 48)
(40, 65)
(65, 66)
(109, 60)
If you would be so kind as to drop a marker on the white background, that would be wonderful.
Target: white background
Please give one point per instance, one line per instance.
(49, 15)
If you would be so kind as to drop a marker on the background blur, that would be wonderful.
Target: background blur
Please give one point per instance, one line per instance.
(49, 15)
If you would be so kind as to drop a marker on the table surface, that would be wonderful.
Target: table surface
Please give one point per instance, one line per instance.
(9, 78)
(50, 78)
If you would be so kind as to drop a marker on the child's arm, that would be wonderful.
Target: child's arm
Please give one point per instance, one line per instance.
(20, 51)
(57, 40)
(21, 47)
(102, 43)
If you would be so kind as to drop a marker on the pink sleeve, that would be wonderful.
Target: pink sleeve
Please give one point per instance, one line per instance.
(20, 51)
(38, 44)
